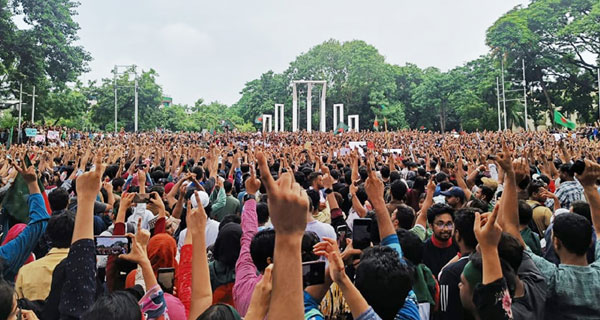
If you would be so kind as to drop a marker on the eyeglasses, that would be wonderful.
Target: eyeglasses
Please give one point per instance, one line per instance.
(442, 225)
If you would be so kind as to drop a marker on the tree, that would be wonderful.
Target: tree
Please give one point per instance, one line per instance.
(149, 100)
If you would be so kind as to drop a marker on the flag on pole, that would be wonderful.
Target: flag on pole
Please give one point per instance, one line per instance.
(563, 121)
(422, 128)
(258, 120)
(376, 124)
(341, 128)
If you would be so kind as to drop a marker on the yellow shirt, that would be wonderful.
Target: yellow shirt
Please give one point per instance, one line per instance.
(35, 279)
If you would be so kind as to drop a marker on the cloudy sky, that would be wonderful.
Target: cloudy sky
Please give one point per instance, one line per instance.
(210, 49)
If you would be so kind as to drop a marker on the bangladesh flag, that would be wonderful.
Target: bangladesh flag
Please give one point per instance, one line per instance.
(376, 124)
(422, 128)
(563, 121)
(258, 120)
(341, 127)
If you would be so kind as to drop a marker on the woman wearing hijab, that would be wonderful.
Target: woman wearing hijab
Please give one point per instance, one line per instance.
(162, 250)
(222, 269)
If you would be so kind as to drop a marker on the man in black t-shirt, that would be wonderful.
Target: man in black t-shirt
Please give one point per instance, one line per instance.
(464, 237)
(439, 249)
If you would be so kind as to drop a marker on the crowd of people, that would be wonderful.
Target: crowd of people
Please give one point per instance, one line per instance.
(407, 224)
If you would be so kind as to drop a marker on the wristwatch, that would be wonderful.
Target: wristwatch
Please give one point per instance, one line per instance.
(328, 191)
(249, 196)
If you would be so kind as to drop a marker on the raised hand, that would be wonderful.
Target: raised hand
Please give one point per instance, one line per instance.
(521, 168)
(288, 202)
(590, 174)
(328, 248)
(374, 186)
(196, 220)
(157, 203)
(252, 183)
(139, 243)
(487, 230)
(89, 183)
(504, 158)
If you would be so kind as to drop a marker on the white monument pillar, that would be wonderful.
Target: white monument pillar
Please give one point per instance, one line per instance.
(338, 109)
(309, 108)
(323, 111)
(294, 108)
(278, 117)
(353, 124)
(266, 117)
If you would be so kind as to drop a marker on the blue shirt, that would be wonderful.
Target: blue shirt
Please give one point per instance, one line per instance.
(16, 251)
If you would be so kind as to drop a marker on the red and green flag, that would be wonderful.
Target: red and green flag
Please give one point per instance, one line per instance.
(563, 121)
(258, 120)
(341, 128)
(376, 124)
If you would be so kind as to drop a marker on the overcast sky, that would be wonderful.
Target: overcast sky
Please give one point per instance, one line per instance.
(210, 49)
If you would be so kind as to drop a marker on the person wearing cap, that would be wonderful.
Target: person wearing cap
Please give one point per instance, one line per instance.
(212, 226)
(455, 197)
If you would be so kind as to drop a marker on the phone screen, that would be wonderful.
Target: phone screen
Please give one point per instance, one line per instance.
(166, 279)
(342, 234)
(112, 245)
(141, 198)
(313, 272)
(361, 233)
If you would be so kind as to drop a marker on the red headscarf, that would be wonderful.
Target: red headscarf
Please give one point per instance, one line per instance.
(14, 232)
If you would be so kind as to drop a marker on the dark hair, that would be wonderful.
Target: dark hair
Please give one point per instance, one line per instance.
(420, 184)
(230, 218)
(335, 174)
(394, 175)
(385, 172)
(525, 213)
(227, 185)
(534, 187)
(199, 173)
(60, 229)
(398, 190)
(59, 199)
(582, 208)
(218, 311)
(405, 216)
(119, 305)
(412, 246)
(383, 280)
(574, 231)
(445, 185)
(7, 294)
(312, 177)
(361, 194)
(487, 192)
(508, 272)
(156, 175)
(566, 168)
(363, 173)
(510, 250)
(315, 199)
(158, 189)
(111, 171)
(262, 247)
(309, 240)
(262, 212)
(438, 209)
(478, 204)
(118, 182)
(464, 219)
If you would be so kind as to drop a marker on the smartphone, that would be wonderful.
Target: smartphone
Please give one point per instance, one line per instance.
(166, 279)
(142, 198)
(578, 167)
(361, 233)
(342, 234)
(313, 272)
(112, 245)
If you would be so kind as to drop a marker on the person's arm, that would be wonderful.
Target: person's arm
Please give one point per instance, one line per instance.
(329, 249)
(153, 303)
(259, 304)
(109, 190)
(488, 235)
(588, 180)
(288, 208)
(201, 290)
(356, 205)
(375, 189)
(460, 180)
(141, 175)
(157, 205)
(218, 196)
(16, 252)
(508, 217)
(244, 267)
(79, 288)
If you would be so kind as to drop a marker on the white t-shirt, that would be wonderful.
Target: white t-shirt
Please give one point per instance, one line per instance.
(212, 231)
(321, 229)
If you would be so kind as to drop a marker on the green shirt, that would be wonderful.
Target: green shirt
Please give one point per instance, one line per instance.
(573, 291)
(532, 240)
